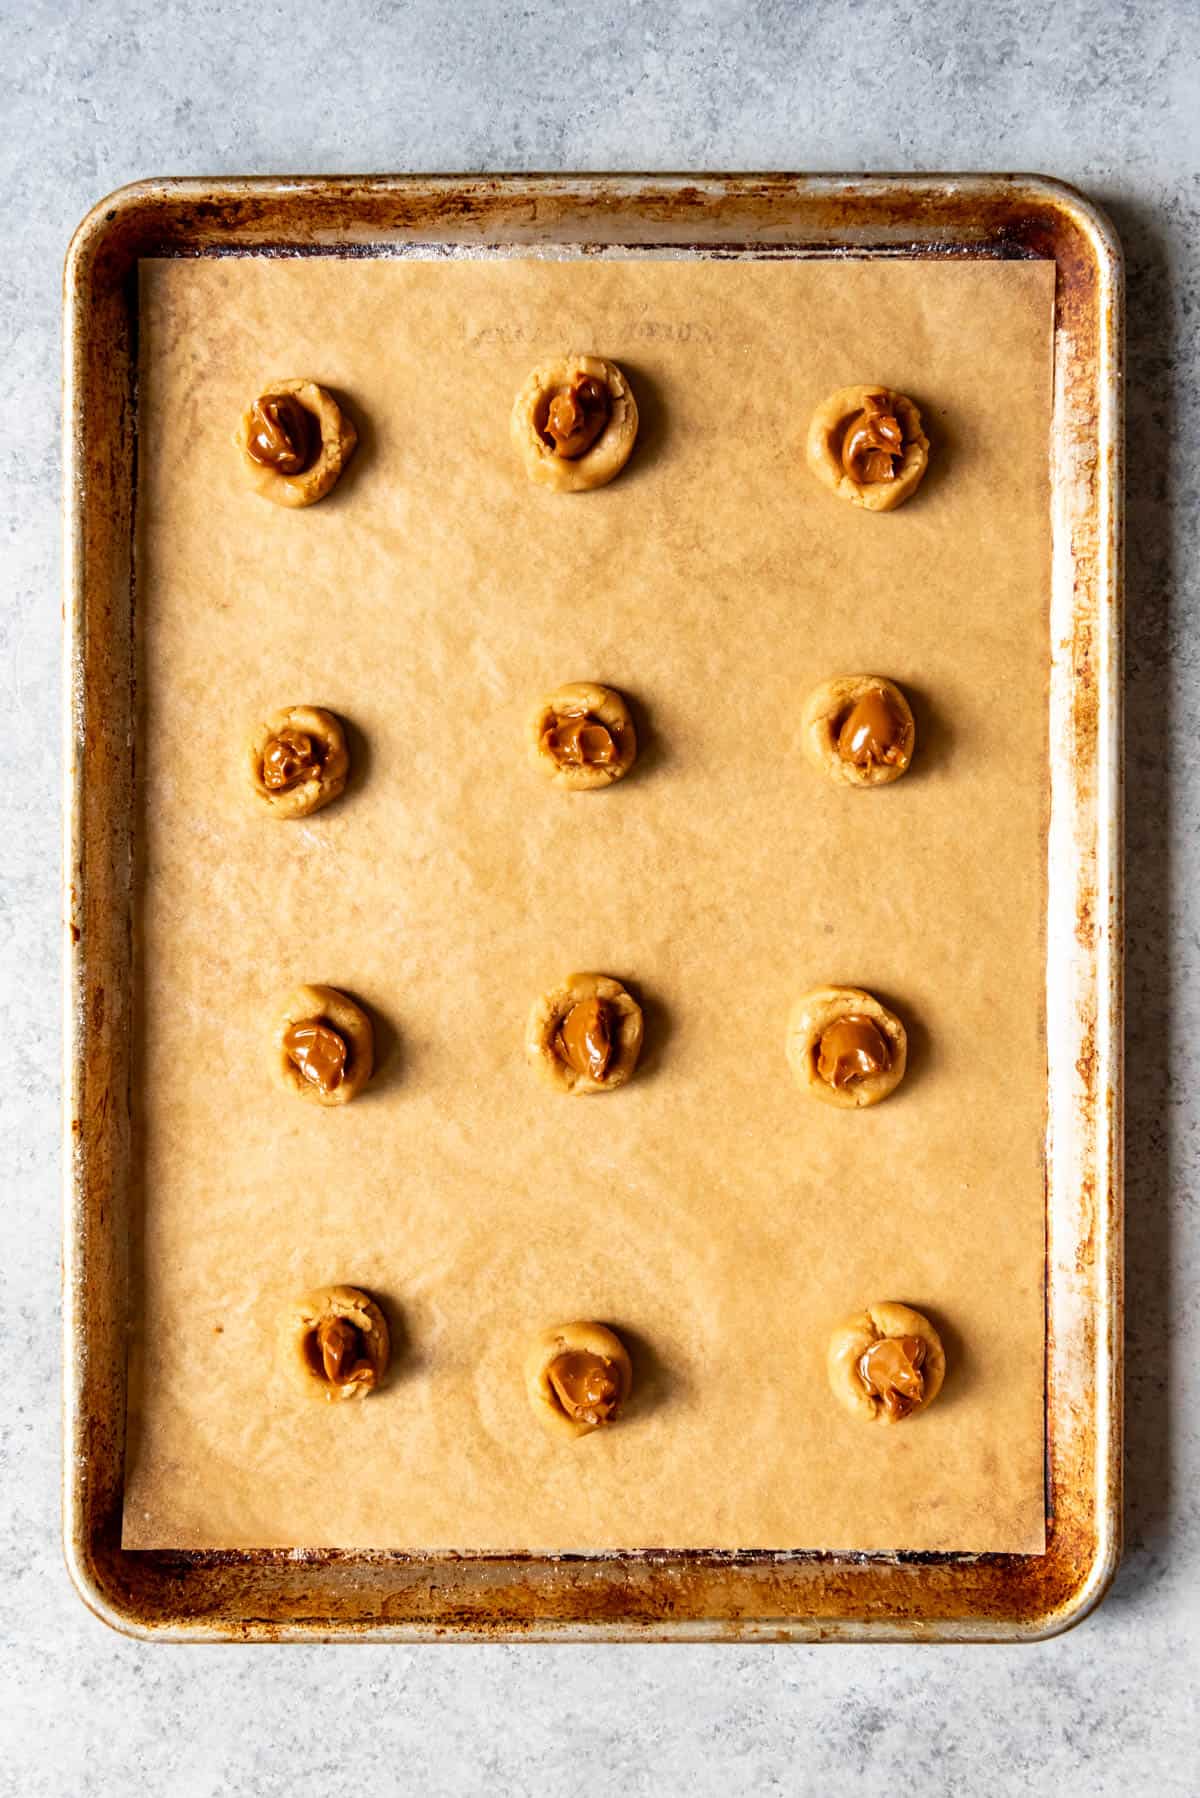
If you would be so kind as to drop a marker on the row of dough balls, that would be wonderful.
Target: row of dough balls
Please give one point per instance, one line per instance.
(858, 728)
(573, 425)
(885, 1363)
(843, 1045)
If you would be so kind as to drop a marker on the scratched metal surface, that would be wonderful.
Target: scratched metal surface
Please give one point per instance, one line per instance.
(319, 1595)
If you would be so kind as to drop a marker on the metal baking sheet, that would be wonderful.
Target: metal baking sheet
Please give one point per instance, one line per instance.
(801, 1596)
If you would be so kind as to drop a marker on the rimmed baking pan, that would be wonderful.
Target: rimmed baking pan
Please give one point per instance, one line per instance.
(317, 1594)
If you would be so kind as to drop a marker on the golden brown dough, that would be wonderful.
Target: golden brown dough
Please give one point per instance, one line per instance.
(324, 1046)
(577, 1376)
(859, 729)
(886, 1385)
(566, 380)
(335, 1343)
(582, 736)
(330, 443)
(866, 445)
(298, 760)
(585, 1035)
(846, 1048)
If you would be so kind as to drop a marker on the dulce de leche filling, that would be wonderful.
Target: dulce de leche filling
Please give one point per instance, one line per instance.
(585, 1038)
(570, 420)
(337, 1351)
(891, 1370)
(851, 1048)
(283, 434)
(289, 759)
(873, 734)
(580, 740)
(587, 1386)
(873, 443)
(319, 1052)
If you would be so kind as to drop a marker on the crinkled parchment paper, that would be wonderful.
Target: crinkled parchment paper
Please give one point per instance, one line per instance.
(718, 1218)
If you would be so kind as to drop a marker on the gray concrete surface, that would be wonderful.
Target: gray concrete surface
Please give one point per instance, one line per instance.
(1103, 92)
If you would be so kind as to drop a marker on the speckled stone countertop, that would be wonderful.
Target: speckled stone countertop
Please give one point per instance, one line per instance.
(1105, 94)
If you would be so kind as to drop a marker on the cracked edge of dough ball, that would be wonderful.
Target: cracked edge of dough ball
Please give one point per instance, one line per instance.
(823, 712)
(825, 433)
(329, 781)
(301, 1317)
(339, 440)
(812, 1013)
(327, 1004)
(855, 1334)
(603, 703)
(611, 450)
(548, 1012)
(590, 1338)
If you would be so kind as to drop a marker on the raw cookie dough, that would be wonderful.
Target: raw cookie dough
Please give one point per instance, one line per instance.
(886, 1384)
(582, 736)
(324, 1046)
(845, 1047)
(859, 728)
(335, 1343)
(585, 1035)
(298, 760)
(304, 450)
(577, 1377)
(866, 444)
(564, 438)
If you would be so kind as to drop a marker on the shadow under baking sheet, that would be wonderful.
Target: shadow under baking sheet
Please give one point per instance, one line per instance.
(1152, 1028)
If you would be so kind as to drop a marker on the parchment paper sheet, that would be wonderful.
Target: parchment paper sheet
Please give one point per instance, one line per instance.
(710, 1211)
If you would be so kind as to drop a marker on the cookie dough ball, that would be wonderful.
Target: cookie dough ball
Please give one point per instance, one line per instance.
(866, 444)
(298, 761)
(585, 1035)
(846, 1048)
(886, 1362)
(295, 441)
(324, 1046)
(859, 728)
(574, 423)
(577, 1377)
(335, 1342)
(583, 737)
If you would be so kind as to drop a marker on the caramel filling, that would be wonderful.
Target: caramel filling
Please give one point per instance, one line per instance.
(570, 420)
(585, 1038)
(338, 1352)
(288, 759)
(891, 1370)
(320, 1053)
(587, 1386)
(874, 442)
(580, 740)
(873, 734)
(283, 434)
(850, 1049)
